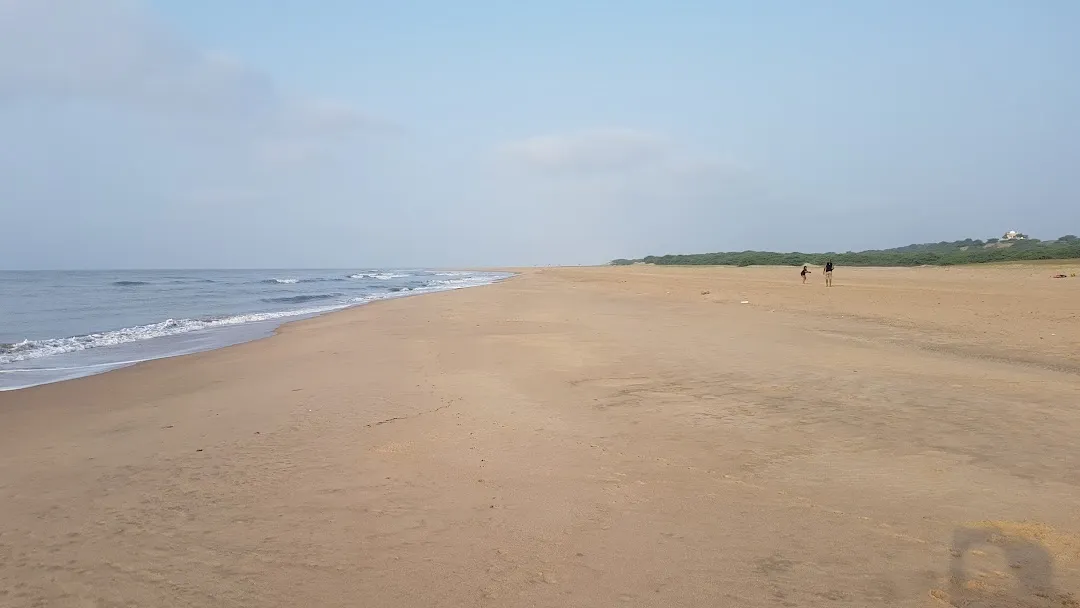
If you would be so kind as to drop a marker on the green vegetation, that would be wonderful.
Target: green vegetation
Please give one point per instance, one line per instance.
(967, 251)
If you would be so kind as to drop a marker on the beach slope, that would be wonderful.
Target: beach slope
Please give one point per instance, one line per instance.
(636, 436)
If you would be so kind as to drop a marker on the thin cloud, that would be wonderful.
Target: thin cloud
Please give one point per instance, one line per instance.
(624, 159)
(111, 52)
(617, 192)
(592, 151)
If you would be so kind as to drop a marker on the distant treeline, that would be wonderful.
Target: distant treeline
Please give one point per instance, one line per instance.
(967, 251)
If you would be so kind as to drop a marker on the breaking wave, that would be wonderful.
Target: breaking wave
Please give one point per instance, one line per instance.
(34, 349)
(462, 280)
(301, 299)
(422, 282)
(294, 281)
(381, 276)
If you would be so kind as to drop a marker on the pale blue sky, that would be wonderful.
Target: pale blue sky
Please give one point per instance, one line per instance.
(207, 133)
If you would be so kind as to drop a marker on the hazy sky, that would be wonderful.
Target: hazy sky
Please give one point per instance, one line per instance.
(314, 133)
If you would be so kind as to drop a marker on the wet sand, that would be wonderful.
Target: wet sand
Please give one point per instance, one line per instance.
(578, 437)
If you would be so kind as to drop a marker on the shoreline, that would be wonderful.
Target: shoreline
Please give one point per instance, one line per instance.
(575, 436)
(242, 333)
(277, 331)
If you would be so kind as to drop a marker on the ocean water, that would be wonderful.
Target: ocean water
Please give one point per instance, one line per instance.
(60, 325)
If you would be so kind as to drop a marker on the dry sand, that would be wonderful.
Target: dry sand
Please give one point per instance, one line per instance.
(577, 437)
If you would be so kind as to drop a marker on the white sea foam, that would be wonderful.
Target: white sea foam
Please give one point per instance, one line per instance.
(461, 281)
(282, 281)
(37, 370)
(381, 276)
(36, 349)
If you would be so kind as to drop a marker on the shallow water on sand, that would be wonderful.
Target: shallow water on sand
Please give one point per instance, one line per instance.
(57, 325)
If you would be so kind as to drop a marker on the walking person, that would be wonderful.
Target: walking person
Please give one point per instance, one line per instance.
(828, 273)
(805, 273)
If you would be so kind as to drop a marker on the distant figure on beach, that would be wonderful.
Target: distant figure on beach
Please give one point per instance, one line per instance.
(804, 274)
(828, 273)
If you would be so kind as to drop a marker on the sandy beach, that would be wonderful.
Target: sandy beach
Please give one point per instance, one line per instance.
(635, 436)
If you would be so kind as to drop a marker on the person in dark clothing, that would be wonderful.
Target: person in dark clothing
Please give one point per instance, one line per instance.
(804, 274)
(828, 273)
